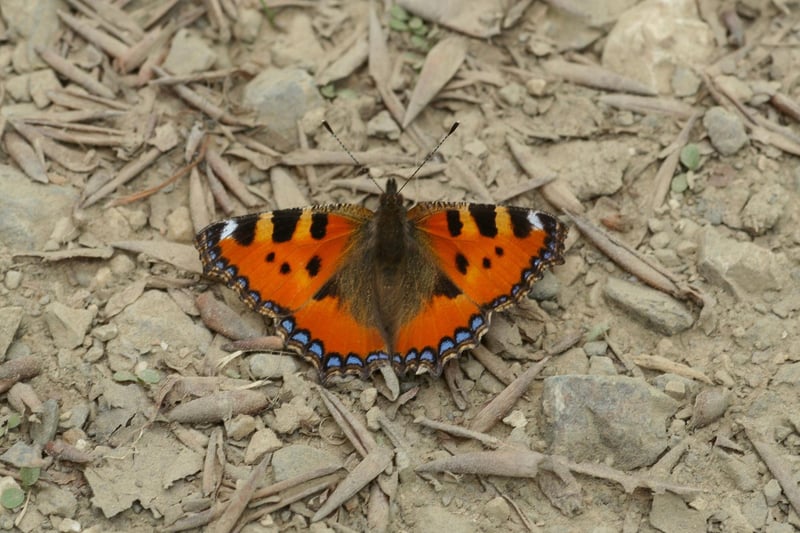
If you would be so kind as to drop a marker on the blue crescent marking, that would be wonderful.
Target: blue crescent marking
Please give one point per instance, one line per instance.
(411, 355)
(445, 345)
(316, 348)
(397, 359)
(462, 336)
(354, 360)
(287, 323)
(333, 361)
(301, 337)
(427, 355)
(477, 323)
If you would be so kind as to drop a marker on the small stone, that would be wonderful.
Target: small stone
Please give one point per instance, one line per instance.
(735, 87)
(281, 97)
(667, 257)
(121, 265)
(669, 514)
(262, 442)
(613, 419)
(290, 416)
(52, 500)
(676, 389)
(515, 419)
(44, 429)
(497, 510)
(594, 348)
(102, 278)
(106, 332)
(573, 361)
(476, 148)
(725, 130)
(373, 416)
(367, 398)
(686, 248)
(738, 267)
(21, 454)
(76, 416)
(684, 81)
(272, 365)
(68, 525)
(13, 279)
(655, 309)
(755, 510)
(248, 24)
(68, 326)
(602, 366)
(179, 225)
(787, 373)
(546, 288)
(660, 240)
(383, 126)
(536, 86)
(188, 53)
(772, 492)
(10, 318)
(763, 209)
(240, 426)
(512, 94)
(297, 459)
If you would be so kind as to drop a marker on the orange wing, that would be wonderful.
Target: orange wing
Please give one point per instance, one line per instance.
(279, 264)
(490, 257)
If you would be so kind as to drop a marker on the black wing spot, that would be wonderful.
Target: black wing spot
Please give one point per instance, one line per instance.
(284, 223)
(445, 287)
(484, 217)
(454, 223)
(245, 231)
(270, 257)
(285, 268)
(461, 263)
(487, 263)
(519, 223)
(319, 225)
(499, 251)
(313, 266)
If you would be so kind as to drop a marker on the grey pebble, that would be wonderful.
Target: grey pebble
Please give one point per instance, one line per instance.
(613, 419)
(725, 130)
(655, 309)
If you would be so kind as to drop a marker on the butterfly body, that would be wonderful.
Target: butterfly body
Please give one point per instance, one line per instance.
(352, 289)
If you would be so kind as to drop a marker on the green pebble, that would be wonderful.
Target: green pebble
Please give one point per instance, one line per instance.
(679, 183)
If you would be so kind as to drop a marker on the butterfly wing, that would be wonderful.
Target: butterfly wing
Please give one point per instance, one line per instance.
(281, 264)
(490, 257)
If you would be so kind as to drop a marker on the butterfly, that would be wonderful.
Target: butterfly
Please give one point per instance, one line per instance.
(351, 289)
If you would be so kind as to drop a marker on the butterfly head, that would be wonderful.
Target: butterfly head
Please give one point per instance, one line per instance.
(391, 199)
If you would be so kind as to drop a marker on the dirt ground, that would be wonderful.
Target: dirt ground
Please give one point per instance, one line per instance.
(665, 134)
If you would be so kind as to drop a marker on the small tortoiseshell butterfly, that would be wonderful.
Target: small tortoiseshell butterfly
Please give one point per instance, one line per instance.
(351, 289)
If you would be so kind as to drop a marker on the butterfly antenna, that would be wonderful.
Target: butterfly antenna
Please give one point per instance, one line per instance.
(430, 155)
(360, 169)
